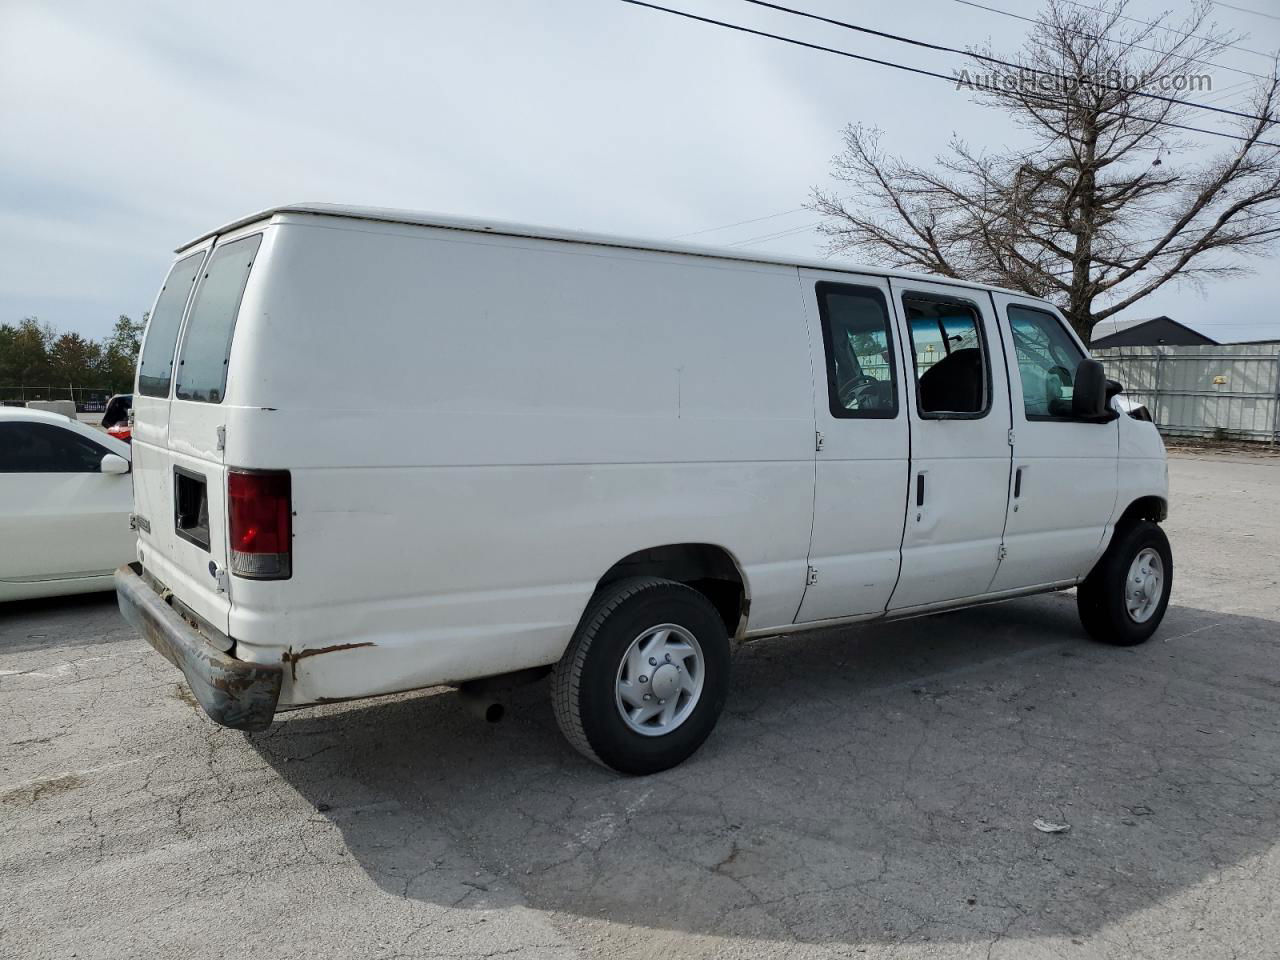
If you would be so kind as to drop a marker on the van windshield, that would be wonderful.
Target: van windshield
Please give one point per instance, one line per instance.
(155, 369)
(206, 346)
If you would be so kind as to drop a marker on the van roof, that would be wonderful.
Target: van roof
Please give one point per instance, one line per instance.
(479, 225)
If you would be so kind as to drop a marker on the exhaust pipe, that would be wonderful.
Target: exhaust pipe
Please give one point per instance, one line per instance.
(486, 698)
(483, 706)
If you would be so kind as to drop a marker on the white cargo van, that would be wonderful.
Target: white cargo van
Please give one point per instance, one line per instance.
(377, 451)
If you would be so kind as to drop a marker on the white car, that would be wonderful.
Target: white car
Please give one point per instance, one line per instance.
(65, 497)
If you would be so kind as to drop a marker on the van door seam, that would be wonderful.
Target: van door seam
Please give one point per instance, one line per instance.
(1003, 550)
(904, 371)
(813, 394)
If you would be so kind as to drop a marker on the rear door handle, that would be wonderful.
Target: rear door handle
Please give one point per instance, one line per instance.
(1017, 482)
(919, 489)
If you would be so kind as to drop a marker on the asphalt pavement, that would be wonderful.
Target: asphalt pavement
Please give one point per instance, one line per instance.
(869, 792)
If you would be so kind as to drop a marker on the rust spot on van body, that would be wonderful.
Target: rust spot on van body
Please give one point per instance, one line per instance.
(292, 658)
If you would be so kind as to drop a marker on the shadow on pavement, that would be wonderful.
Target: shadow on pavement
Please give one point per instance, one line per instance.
(60, 622)
(866, 784)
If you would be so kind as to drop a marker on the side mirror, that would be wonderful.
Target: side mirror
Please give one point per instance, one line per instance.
(1091, 394)
(113, 463)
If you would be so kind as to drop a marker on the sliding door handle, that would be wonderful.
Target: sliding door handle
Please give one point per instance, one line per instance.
(919, 489)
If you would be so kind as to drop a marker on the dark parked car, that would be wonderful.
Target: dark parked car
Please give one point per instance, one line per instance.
(117, 411)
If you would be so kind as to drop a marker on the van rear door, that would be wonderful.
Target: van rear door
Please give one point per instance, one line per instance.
(152, 469)
(188, 493)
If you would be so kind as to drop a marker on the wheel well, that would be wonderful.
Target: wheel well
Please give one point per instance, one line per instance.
(1145, 508)
(705, 567)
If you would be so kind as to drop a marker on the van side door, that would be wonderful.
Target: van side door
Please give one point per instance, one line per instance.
(1065, 480)
(958, 403)
(862, 446)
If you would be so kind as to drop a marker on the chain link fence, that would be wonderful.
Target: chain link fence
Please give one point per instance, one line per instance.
(1221, 392)
(81, 396)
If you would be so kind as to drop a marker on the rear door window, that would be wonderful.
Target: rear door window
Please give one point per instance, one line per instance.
(155, 369)
(206, 346)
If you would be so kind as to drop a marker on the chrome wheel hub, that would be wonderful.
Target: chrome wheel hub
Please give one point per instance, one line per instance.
(1144, 585)
(659, 680)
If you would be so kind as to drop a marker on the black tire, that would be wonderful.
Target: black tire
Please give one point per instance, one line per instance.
(1100, 598)
(583, 683)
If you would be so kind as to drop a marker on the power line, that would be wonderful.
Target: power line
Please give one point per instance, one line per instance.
(779, 235)
(1136, 46)
(740, 223)
(1240, 98)
(799, 43)
(1256, 13)
(916, 70)
(1228, 92)
(986, 59)
(1233, 92)
(1161, 26)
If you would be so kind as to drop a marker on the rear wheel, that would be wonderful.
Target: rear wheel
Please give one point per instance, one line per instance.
(645, 676)
(1124, 598)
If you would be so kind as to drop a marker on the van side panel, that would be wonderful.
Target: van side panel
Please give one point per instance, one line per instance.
(479, 426)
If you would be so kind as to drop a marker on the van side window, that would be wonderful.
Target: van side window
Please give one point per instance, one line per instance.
(1047, 361)
(861, 378)
(953, 380)
(206, 346)
(155, 369)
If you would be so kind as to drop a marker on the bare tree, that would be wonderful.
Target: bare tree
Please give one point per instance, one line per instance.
(1099, 211)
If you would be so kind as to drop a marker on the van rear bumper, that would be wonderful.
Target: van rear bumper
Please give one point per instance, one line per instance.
(233, 692)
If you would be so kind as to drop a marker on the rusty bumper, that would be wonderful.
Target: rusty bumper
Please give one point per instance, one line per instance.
(233, 692)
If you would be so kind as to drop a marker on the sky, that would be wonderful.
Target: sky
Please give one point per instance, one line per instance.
(127, 128)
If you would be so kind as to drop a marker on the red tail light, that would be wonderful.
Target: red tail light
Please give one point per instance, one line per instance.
(259, 515)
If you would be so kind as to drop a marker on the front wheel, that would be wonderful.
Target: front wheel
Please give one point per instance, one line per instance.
(645, 676)
(1124, 598)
